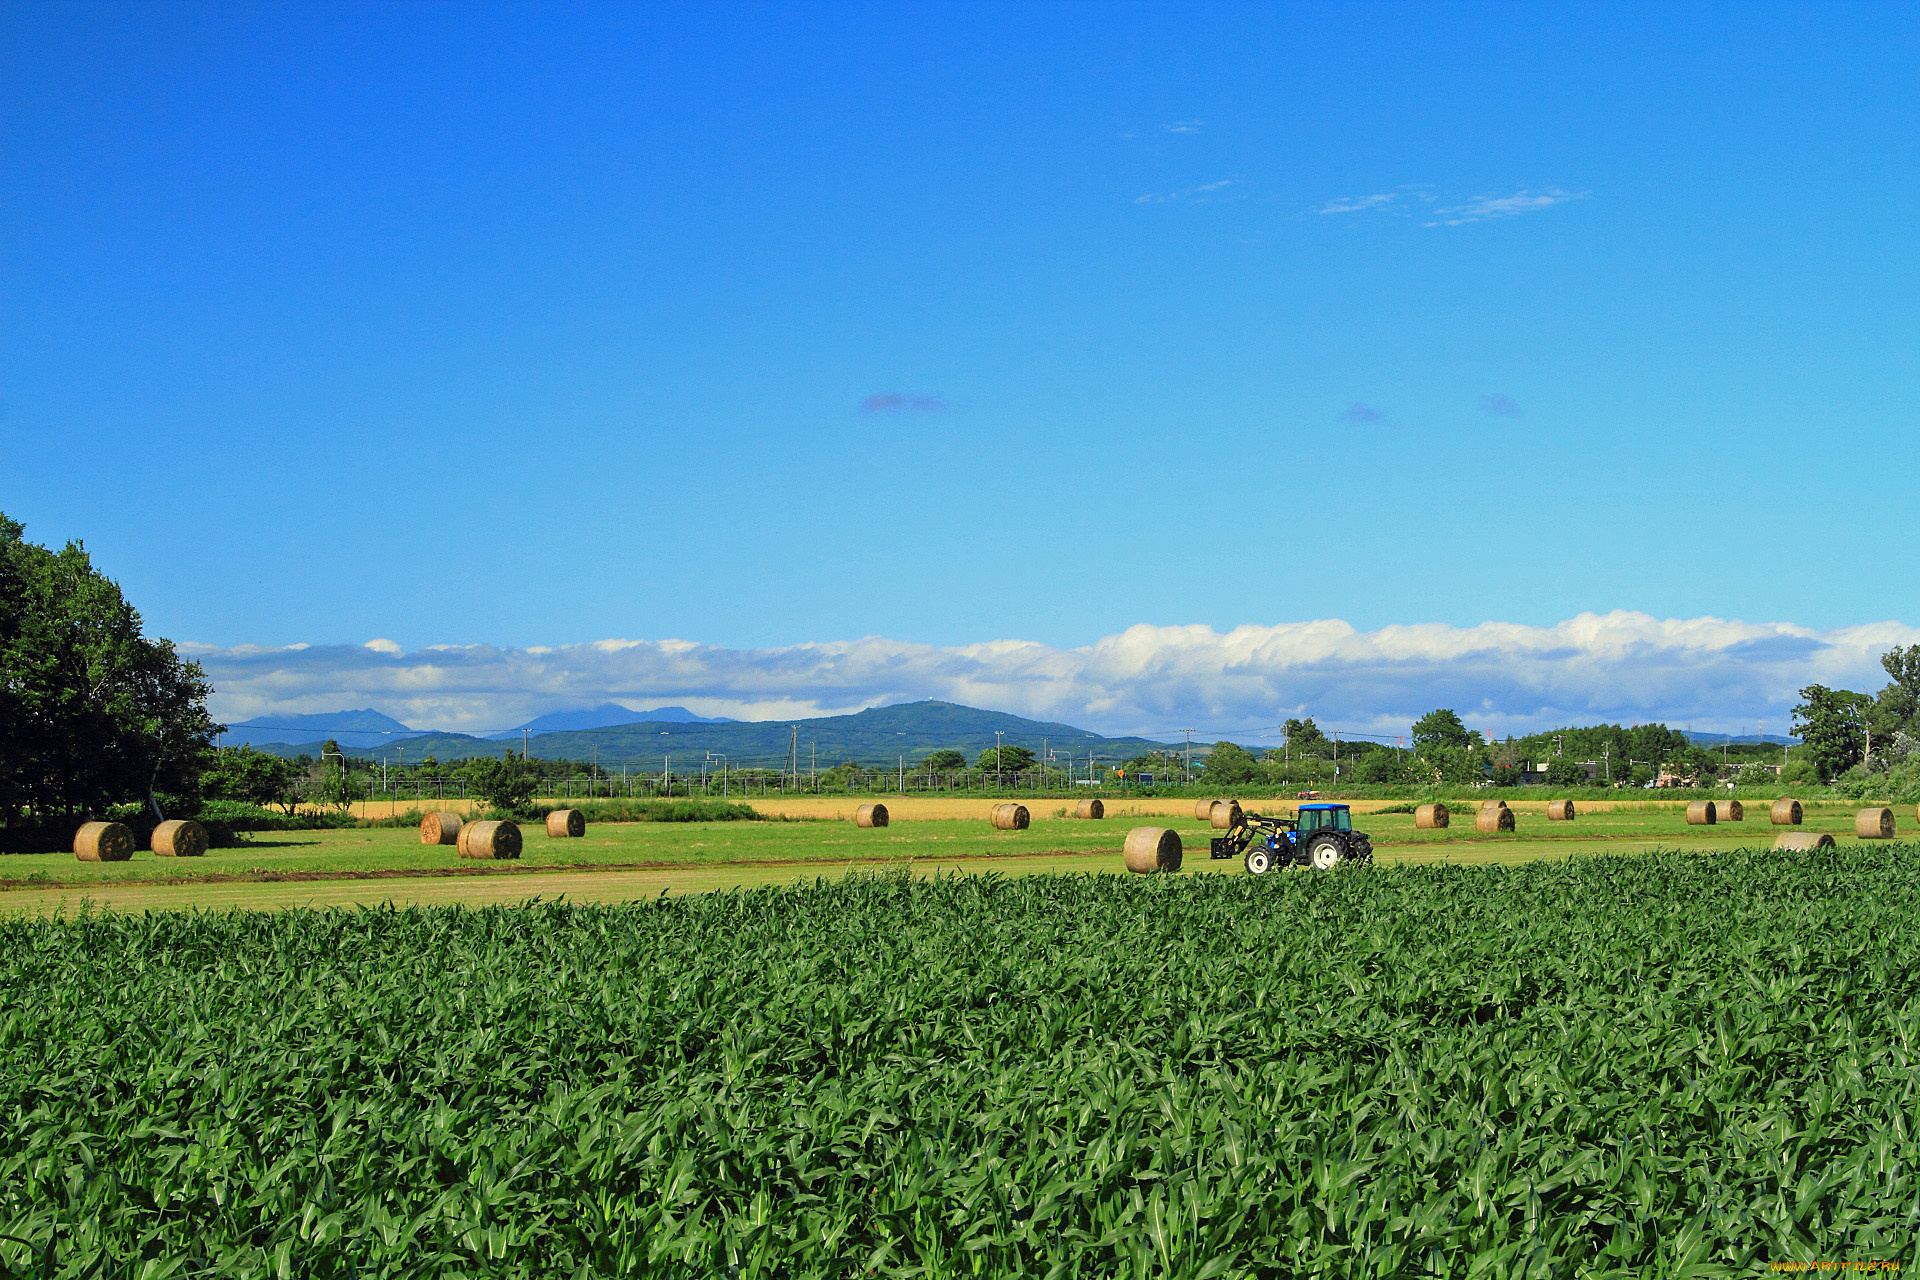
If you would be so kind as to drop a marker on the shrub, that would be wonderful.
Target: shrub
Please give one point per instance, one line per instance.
(641, 811)
(506, 784)
(1799, 773)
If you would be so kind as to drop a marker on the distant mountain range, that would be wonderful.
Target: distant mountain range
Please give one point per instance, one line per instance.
(365, 728)
(603, 716)
(1742, 740)
(880, 736)
(368, 728)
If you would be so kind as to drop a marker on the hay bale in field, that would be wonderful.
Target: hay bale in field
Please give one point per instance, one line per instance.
(489, 840)
(1010, 817)
(102, 842)
(1150, 849)
(1090, 809)
(1493, 818)
(1785, 813)
(1873, 824)
(1486, 805)
(1432, 817)
(1732, 811)
(1225, 815)
(179, 839)
(870, 815)
(1803, 840)
(1203, 809)
(1702, 813)
(564, 824)
(440, 828)
(1560, 811)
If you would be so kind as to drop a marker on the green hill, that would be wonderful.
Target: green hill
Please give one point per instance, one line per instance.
(880, 736)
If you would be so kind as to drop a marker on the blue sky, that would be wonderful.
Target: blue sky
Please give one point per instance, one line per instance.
(529, 327)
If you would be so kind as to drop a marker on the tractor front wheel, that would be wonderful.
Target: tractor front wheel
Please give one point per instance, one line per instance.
(1259, 861)
(1326, 853)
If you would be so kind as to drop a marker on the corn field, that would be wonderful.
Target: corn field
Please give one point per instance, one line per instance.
(1664, 1065)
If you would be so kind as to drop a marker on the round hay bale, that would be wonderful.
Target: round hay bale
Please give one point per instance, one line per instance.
(1090, 809)
(1150, 849)
(1560, 811)
(1873, 824)
(1493, 818)
(1486, 805)
(1702, 813)
(1785, 813)
(102, 842)
(1226, 815)
(1432, 817)
(1010, 817)
(1203, 809)
(1803, 840)
(1732, 811)
(564, 824)
(179, 839)
(440, 828)
(870, 815)
(489, 840)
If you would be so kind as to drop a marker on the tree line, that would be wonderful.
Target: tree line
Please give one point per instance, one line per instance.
(1442, 751)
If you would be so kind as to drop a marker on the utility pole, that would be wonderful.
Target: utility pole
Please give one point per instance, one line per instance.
(1188, 766)
(999, 761)
(523, 744)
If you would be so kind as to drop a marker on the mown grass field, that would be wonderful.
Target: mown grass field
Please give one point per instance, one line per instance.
(628, 861)
(1673, 1065)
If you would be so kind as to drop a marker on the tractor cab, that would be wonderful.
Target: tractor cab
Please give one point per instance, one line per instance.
(1322, 817)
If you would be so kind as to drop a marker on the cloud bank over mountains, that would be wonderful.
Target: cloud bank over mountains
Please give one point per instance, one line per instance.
(1155, 680)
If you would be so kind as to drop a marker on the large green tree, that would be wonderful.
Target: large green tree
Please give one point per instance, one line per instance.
(1441, 728)
(1305, 741)
(1833, 724)
(249, 776)
(1006, 759)
(1230, 765)
(1897, 707)
(1565, 772)
(92, 712)
(505, 784)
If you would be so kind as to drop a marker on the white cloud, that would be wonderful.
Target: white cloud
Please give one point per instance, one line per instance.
(385, 646)
(1484, 208)
(1407, 201)
(1183, 126)
(1705, 672)
(1358, 204)
(1202, 194)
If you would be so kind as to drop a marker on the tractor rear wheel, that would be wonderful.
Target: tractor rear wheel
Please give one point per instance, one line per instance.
(1326, 853)
(1259, 861)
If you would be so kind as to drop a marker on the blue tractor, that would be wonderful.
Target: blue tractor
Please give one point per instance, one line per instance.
(1321, 837)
